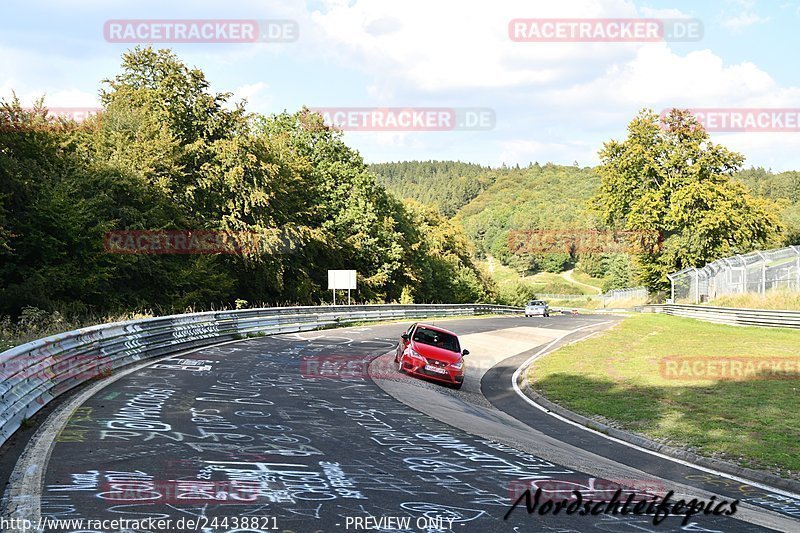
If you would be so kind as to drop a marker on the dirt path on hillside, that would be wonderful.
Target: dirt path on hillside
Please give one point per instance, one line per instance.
(567, 275)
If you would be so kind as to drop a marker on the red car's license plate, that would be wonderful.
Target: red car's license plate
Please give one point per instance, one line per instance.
(437, 369)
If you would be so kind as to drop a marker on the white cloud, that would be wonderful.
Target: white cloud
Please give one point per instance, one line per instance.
(52, 98)
(779, 151)
(743, 20)
(658, 77)
(741, 14)
(546, 95)
(662, 13)
(441, 46)
(255, 94)
(386, 139)
(554, 101)
(525, 151)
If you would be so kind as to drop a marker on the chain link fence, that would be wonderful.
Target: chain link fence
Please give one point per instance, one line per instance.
(627, 296)
(624, 294)
(756, 272)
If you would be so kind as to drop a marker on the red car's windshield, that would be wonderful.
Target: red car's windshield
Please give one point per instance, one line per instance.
(436, 338)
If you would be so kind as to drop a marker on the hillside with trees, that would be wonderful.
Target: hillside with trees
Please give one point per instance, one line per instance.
(538, 197)
(702, 212)
(445, 185)
(168, 153)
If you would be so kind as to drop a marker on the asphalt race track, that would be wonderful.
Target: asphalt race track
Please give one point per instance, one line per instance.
(255, 436)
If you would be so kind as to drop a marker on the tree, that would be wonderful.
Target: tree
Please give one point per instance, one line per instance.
(167, 153)
(668, 178)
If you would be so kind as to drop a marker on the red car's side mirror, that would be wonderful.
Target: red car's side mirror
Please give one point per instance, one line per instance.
(404, 336)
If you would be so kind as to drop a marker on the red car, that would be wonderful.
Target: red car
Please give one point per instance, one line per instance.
(432, 352)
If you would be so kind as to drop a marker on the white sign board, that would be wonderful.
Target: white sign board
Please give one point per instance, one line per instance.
(341, 279)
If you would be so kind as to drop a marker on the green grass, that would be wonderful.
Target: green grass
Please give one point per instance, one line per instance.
(510, 287)
(544, 282)
(585, 303)
(499, 271)
(550, 283)
(587, 279)
(778, 299)
(615, 377)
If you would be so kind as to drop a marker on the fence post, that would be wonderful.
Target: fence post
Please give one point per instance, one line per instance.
(671, 287)
(696, 286)
(742, 274)
(797, 251)
(728, 276)
(763, 288)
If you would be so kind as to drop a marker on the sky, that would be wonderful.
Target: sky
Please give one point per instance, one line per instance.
(549, 101)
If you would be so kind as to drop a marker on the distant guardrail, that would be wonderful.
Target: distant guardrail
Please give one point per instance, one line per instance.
(730, 315)
(544, 296)
(35, 373)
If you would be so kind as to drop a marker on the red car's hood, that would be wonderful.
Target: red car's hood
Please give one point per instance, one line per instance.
(440, 354)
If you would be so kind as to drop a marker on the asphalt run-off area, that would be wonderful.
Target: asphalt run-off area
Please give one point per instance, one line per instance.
(244, 437)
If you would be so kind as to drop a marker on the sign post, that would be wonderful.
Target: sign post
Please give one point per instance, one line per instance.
(341, 279)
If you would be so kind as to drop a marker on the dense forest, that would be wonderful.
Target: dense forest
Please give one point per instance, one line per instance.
(508, 200)
(549, 197)
(784, 189)
(168, 153)
(445, 185)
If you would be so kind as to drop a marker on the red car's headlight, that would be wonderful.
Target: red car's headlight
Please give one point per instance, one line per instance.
(458, 364)
(415, 355)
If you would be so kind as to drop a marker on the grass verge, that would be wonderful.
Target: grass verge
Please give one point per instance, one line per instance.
(618, 378)
(777, 299)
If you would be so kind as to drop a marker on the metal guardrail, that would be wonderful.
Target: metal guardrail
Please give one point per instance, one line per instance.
(731, 315)
(35, 373)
